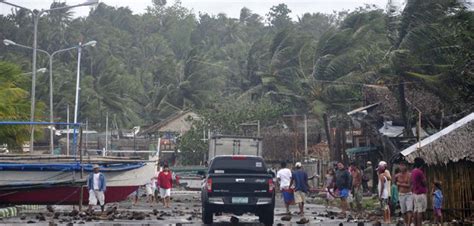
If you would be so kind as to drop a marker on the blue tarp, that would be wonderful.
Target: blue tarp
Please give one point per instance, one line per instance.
(67, 166)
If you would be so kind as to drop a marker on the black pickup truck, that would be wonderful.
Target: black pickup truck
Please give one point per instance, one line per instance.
(238, 185)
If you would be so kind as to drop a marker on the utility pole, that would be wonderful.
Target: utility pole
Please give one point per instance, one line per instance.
(67, 128)
(305, 136)
(106, 132)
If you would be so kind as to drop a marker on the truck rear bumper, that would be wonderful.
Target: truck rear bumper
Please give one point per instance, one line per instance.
(225, 201)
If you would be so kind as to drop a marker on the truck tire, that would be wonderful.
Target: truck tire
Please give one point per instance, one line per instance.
(207, 215)
(266, 216)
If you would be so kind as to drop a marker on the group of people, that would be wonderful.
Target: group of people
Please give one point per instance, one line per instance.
(159, 187)
(407, 189)
(160, 183)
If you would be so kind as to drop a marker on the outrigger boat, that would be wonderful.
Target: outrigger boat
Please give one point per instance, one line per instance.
(59, 179)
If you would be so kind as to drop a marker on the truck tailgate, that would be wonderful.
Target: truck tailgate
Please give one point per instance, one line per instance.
(240, 184)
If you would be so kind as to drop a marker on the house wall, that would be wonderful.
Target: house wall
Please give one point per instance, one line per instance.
(458, 188)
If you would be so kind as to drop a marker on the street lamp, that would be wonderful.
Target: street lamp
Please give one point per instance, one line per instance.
(41, 70)
(36, 14)
(78, 77)
(50, 56)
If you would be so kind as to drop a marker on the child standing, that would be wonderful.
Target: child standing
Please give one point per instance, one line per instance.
(437, 202)
(329, 185)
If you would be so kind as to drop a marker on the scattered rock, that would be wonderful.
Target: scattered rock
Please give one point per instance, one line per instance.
(286, 218)
(139, 216)
(82, 214)
(234, 220)
(350, 218)
(302, 221)
(155, 212)
(23, 217)
(160, 218)
(73, 213)
(189, 218)
(50, 208)
(111, 210)
(31, 222)
(81, 222)
(40, 217)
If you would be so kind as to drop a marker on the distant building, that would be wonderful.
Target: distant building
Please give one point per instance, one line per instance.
(169, 130)
(178, 123)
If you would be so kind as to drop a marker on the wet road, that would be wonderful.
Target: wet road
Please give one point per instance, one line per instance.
(186, 209)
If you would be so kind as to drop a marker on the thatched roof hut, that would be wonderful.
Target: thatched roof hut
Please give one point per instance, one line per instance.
(449, 155)
(452, 144)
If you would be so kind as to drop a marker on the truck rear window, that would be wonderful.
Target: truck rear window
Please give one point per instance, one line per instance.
(237, 165)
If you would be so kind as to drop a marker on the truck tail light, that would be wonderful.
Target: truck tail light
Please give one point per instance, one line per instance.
(209, 185)
(271, 186)
(238, 157)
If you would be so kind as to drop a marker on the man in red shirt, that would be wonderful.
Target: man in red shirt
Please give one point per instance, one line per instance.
(419, 189)
(165, 182)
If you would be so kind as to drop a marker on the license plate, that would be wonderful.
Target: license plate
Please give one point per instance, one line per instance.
(240, 200)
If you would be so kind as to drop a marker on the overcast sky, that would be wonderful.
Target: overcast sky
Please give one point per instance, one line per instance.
(229, 7)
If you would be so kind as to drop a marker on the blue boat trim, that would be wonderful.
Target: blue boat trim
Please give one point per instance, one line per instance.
(67, 167)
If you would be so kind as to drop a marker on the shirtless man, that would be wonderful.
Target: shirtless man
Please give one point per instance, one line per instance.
(404, 192)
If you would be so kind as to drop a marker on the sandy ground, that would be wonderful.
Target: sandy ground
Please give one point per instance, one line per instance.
(186, 209)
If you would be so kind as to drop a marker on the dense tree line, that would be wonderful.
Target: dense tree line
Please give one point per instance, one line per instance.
(146, 67)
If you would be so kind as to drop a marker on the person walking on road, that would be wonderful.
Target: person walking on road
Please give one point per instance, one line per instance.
(96, 185)
(356, 174)
(343, 184)
(384, 191)
(419, 189)
(299, 180)
(165, 182)
(284, 180)
(405, 197)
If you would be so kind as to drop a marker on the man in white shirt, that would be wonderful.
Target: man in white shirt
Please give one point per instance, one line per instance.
(96, 185)
(284, 179)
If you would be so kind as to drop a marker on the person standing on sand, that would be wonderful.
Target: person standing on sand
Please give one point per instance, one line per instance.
(284, 179)
(329, 185)
(419, 189)
(96, 185)
(343, 184)
(165, 182)
(383, 192)
(368, 177)
(437, 203)
(405, 197)
(357, 186)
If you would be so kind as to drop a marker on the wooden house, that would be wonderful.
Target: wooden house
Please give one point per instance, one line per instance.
(449, 155)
